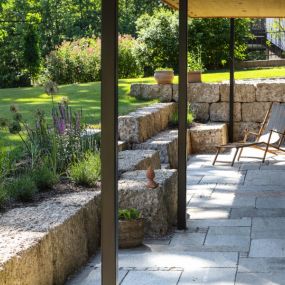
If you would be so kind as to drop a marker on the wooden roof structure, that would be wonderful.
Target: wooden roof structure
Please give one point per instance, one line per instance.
(233, 8)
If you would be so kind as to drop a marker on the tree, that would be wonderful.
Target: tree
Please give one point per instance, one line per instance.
(31, 51)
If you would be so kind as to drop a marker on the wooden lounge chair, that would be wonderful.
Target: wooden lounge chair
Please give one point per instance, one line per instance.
(271, 134)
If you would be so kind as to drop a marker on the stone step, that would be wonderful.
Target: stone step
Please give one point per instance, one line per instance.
(158, 206)
(44, 243)
(166, 143)
(138, 126)
(130, 160)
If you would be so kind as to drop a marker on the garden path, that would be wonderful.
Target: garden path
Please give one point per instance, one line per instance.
(235, 235)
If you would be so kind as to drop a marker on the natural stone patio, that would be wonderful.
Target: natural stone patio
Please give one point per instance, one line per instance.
(235, 235)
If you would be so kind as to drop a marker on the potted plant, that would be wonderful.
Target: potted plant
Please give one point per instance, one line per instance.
(131, 228)
(195, 66)
(164, 75)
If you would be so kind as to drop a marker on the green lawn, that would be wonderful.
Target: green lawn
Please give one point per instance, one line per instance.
(87, 96)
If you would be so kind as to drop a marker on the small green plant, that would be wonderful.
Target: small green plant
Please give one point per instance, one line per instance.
(195, 61)
(22, 188)
(129, 214)
(87, 171)
(175, 118)
(44, 177)
(163, 69)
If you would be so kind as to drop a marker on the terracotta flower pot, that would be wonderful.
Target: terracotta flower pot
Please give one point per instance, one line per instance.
(194, 76)
(131, 233)
(164, 76)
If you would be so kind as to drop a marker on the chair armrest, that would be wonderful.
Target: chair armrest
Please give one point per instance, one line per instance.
(247, 133)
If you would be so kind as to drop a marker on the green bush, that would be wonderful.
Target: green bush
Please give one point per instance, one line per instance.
(175, 118)
(129, 214)
(86, 172)
(22, 188)
(44, 177)
(129, 66)
(75, 61)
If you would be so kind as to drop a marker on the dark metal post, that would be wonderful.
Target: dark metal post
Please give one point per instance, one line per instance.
(182, 111)
(232, 81)
(109, 114)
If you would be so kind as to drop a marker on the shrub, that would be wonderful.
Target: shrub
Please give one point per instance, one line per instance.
(129, 66)
(75, 61)
(129, 214)
(87, 171)
(44, 177)
(175, 118)
(22, 188)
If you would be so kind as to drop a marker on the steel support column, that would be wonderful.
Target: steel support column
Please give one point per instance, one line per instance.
(182, 111)
(232, 80)
(109, 114)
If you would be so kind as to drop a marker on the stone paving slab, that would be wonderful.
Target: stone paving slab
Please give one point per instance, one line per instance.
(188, 239)
(152, 277)
(272, 278)
(208, 213)
(225, 177)
(248, 212)
(261, 265)
(270, 203)
(267, 248)
(209, 276)
(243, 222)
(265, 177)
(263, 228)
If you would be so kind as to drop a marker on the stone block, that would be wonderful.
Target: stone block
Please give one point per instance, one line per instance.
(270, 92)
(46, 242)
(158, 206)
(166, 143)
(200, 111)
(243, 92)
(219, 112)
(204, 137)
(267, 248)
(255, 112)
(163, 92)
(130, 160)
(138, 126)
(203, 92)
(240, 127)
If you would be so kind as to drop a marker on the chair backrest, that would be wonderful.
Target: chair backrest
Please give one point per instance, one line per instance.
(276, 121)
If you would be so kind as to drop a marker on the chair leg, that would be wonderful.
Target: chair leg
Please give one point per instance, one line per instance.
(216, 156)
(239, 156)
(265, 152)
(237, 149)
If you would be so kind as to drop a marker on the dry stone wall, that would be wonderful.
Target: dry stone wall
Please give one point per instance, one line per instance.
(209, 101)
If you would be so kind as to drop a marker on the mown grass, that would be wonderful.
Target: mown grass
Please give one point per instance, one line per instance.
(87, 96)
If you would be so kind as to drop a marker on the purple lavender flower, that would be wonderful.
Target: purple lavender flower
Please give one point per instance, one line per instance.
(61, 126)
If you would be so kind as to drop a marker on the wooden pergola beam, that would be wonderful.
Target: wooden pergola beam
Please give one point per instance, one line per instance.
(233, 8)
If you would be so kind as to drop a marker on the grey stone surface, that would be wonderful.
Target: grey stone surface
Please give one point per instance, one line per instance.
(243, 222)
(267, 248)
(254, 112)
(209, 276)
(219, 112)
(203, 92)
(269, 203)
(38, 243)
(186, 239)
(273, 92)
(224, 177)
(130, 160)
(138, 126)
(243, 92)
(206, 213)
(152, 277)
(260, 278)
(261, 264)
(166, 143)
(158, 206)
(201, 111)
(249, 212)
(205, 137)
(262, 177)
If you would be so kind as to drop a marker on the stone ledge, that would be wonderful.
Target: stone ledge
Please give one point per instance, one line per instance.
(204, 137)
(158, 206)
(142, 124)
(43, 244)
(130, 160)
(166, 143)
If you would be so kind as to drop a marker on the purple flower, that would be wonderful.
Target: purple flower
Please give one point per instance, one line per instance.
(61, 126)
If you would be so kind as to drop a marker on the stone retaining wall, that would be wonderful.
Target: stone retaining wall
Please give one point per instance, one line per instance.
(209, 101)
